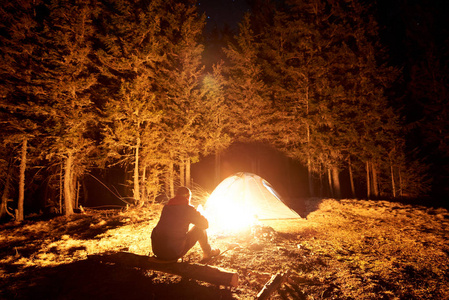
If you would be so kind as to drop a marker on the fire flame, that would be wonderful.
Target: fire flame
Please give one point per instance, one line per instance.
(228, 219)
(239, 201)
(228, 213)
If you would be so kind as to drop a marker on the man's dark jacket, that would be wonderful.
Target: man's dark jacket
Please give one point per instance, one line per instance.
(169, 236)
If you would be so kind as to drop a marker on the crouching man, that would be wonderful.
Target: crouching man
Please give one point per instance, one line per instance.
(171, 238)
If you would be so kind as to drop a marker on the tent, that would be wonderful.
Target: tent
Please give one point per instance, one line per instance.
(246, 195)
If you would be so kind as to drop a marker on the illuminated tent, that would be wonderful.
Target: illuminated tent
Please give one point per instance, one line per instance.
(244, 197)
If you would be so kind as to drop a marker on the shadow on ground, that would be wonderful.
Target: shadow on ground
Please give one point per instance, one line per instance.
(90, 279)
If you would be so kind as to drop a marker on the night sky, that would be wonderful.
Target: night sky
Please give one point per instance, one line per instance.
(221, 12)
(393, 18)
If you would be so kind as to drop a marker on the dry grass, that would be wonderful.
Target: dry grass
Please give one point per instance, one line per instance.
(345, 249)
(378, 249)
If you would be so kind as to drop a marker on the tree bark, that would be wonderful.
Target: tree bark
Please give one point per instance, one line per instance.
(271, 286)
(331, 188)
(321, 184)
(393, 185)
(136, 191)
(68, 189)
(368, 181)
(188, 172)
(351, 179)
(194, 271)
(23, 165)
(310, 177)
(336, 181)
(171, 180)
(217, 167)
(309, 161)
(5, 195)
(375, 183)
(182, 173)
(61, 187)
(77, 192)
(143, 188)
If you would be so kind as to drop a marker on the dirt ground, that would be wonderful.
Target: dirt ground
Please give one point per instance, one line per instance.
(346, 249)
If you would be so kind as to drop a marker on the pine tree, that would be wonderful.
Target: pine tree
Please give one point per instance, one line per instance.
(216, 121)
(67, 79)
(5, 182)
(373, 130)
(321, 57)
(246, 92)
(130, 47)
(294, 69)
(19, 36)
(179, 83)
(129, 128)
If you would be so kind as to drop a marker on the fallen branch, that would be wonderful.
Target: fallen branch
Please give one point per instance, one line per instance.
(204, 273)
(271, 286)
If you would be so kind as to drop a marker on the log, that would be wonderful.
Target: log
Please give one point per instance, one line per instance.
(199, 272)
(271, 286)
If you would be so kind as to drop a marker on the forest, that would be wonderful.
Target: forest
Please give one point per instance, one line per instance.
(139, 91)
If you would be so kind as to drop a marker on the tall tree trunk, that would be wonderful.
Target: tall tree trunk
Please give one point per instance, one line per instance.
(188, 172)
(166, 182)
(401, 187)
(5, 195)
(368, 181)
(182, 172)
(217, 167)
(393, 184)
(351, 179)
(336, 181)
(309, 164)
(375, 183)
(143, 188)
(23, 165)
(331, 189)
(76, 184)
(171, 180)
(85, 192)
(310, 177)
(68, 189)
(321, 185)
(309, 160)
(61, 187)
(136, 191)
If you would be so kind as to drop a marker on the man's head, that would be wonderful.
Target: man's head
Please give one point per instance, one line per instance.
(184, 192)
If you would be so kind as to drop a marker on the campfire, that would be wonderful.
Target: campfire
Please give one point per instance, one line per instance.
(240, 201)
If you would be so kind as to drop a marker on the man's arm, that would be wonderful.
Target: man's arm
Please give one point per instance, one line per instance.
(198, 219)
